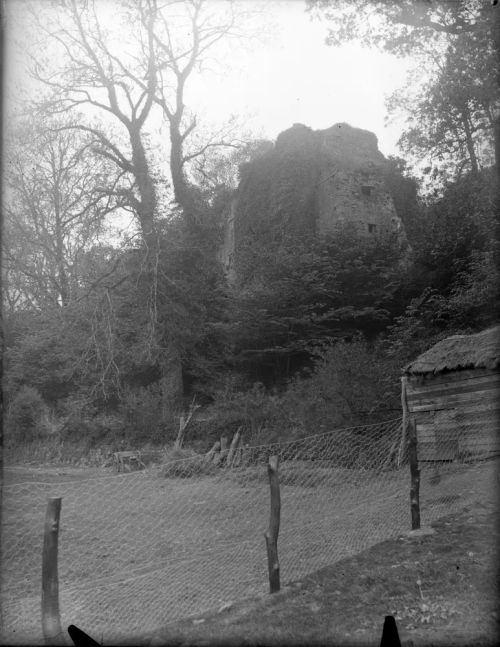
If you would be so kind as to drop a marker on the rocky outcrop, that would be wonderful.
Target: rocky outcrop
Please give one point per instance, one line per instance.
(311, 182)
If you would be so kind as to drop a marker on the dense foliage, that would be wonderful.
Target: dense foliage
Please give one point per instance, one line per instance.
(107, 339)
(324, 327)
(451, 101)
(307, 291)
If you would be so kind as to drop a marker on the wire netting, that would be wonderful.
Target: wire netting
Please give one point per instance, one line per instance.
(140, 550)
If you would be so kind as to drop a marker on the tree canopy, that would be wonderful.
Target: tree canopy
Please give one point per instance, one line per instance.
(454, 116)
(118, 202)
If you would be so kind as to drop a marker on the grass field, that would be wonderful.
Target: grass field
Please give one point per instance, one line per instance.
(441, 588)
(140, 551)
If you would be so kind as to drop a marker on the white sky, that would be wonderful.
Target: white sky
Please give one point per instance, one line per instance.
(295, 77)
(289, 75)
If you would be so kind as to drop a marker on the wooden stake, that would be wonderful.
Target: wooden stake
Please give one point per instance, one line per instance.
(209, 456)
(271, 535)
(238, 453)
(184, 422)
(51, 619)
(415, 475)
(217, 455)
(232, 448)
(243, 452)
(223, 449)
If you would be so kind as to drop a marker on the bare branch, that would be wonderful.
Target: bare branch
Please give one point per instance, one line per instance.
(119, 158)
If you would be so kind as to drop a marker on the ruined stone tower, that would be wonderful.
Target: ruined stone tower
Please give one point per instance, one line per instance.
(351, 183)
(312, 182)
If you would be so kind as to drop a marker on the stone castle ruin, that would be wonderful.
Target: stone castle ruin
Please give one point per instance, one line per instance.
(311, 182)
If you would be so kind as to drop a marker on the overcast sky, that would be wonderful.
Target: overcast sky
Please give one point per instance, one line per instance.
(296, 77)
(288, 75)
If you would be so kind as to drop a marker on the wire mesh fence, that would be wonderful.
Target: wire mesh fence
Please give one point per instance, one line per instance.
(141, 550)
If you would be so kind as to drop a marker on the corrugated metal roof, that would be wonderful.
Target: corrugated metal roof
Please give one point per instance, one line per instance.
(460, 352)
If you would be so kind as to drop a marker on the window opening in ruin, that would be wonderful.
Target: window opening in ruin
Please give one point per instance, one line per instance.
(366, 189)
(372, 228)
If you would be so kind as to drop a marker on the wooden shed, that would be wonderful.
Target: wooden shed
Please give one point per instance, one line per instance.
(452, 392)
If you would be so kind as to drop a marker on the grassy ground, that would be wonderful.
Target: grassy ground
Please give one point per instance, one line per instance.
(13, 475)
(440, 588)
(138, 551)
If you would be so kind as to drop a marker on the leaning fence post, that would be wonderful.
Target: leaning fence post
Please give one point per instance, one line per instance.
(274, 526)
(415, 475)
(51, 619)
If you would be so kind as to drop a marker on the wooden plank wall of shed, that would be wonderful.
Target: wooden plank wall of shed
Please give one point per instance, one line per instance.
(456, 413)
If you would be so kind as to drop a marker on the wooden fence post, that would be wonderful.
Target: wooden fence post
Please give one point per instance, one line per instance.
(415, 475)
(51, 619)
(274, 526)
(224, 447)
(220, 457)
(210, 455)
(184, 422)
(232, 447)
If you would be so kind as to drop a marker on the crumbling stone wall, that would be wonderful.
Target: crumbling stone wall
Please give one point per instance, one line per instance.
(310, 183)
(351, 187)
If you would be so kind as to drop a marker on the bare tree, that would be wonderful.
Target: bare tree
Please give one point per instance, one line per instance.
(54, 211)
(92, 76)
(181, 32)
(169, 42)
(176, 60)
(93, 73)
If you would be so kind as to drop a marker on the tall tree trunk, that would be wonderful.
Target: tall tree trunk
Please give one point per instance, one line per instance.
(62, 275)
(183, 192)
(145, 186)
(170, 362)
(496, 120)
(496, 135)
(63, 284)
(466, 122)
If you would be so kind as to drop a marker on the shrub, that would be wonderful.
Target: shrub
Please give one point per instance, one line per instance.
(144, 420)
(25, 416)
(90, 431)
(80, 432)
(350, 384)
(53, 450)
(257, 413)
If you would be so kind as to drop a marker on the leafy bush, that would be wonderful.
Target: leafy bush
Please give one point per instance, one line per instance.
(86, 432)
(350, 384)
(25, 416)
(254, 411)
(54, 450)
(84, 426)
(307, 291)
(144, 420)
